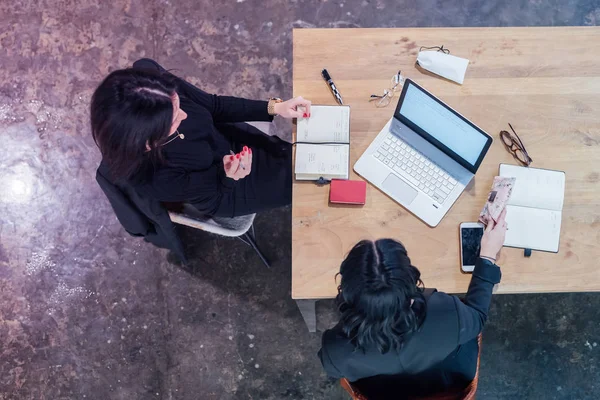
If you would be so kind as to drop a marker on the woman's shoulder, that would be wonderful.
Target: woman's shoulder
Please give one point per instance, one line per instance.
(441, 300)
(336, 344)
(336, 351)
(441, 304)
(441, 312)
(334, 341)
(334, 334)
(193, 108)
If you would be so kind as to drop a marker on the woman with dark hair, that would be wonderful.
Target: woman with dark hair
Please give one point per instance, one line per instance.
(177, 143)
(396, 339)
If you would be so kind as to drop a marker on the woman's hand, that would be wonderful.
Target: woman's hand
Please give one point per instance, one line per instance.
(493, 237)
(238, 166)
(289, 109)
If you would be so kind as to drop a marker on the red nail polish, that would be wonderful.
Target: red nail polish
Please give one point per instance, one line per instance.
(243, 153)
(245, 147)
(232, 158)
(249, 151)
(237, 156)
(305, 115)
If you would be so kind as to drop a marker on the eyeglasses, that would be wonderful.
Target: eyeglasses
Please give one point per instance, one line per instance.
(515, 146)
(385, 99)
(438, 48)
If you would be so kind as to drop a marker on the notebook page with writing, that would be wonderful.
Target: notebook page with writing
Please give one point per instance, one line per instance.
(315, 161)
(533, 228)
(534, 211)
(326, 124)
(534, 187)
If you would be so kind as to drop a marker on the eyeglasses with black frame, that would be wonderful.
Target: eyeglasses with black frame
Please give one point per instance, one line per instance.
(438, 48)
(515, 146)
(385, 99)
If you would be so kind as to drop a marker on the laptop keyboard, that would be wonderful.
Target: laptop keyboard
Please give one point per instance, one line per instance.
(415, 168)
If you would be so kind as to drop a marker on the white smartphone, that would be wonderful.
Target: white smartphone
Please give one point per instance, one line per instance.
(470, 244)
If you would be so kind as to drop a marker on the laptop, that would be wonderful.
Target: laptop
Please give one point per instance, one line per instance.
(425, 155)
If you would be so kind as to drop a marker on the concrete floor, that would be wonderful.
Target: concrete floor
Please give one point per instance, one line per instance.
(87, 312)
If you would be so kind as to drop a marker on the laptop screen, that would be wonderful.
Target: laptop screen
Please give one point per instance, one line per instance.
(441, 125)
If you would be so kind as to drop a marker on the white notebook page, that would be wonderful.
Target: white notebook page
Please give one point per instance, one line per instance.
(326, 124)
(322, 160)
(538, 188)
(533, 228)
(534, 211)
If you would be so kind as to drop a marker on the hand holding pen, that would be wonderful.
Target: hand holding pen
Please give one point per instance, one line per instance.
(238, 166)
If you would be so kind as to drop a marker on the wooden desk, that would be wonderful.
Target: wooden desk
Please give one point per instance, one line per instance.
(545, 81)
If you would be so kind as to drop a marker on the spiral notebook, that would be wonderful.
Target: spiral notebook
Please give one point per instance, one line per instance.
(327, 124)
(534, 210)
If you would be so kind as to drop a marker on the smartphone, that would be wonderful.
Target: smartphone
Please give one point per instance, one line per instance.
(470, 244)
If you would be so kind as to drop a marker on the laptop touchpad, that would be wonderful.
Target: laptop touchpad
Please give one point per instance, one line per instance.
(399, 189)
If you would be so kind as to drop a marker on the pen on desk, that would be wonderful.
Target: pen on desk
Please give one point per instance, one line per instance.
(241, 164)
(331, 85)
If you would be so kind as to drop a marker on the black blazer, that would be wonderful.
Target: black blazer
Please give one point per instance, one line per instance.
(140, 215)
(193, 170)
(448, 325)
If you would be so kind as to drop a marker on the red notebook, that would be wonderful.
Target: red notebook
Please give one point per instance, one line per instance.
(347, 192)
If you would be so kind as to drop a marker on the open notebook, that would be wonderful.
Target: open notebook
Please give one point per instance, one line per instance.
(330, 161)
(534, 211)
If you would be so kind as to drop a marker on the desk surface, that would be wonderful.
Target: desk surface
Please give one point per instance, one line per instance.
(544, 81)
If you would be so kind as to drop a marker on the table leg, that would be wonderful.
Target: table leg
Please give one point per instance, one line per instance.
(308, 311)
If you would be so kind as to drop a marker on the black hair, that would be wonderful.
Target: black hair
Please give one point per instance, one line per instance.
(377, 286)
(130, 110)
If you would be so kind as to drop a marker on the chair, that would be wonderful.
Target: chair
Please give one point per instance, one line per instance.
(241, 227)
(467, 393)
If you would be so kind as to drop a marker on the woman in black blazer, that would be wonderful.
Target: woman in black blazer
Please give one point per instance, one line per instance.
(177, 143)
(396, 339)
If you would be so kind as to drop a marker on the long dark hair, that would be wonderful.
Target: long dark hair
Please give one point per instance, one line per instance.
(131, 109)
(377, 286)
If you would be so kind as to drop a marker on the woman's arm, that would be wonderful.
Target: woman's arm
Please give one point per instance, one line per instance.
(472, 314)
(222, 108)
(228, 108)
(237, 109)
(225, 108)
(205, 189)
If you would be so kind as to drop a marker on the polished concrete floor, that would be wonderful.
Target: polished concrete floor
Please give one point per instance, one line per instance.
(87, 312)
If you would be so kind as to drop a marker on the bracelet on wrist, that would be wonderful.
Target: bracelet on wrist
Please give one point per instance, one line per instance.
(489, 258)
(271, 105)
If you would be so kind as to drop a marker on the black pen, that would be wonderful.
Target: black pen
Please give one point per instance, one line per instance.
(331, 85)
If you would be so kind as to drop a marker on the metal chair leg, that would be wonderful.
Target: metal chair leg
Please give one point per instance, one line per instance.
(249, 239)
